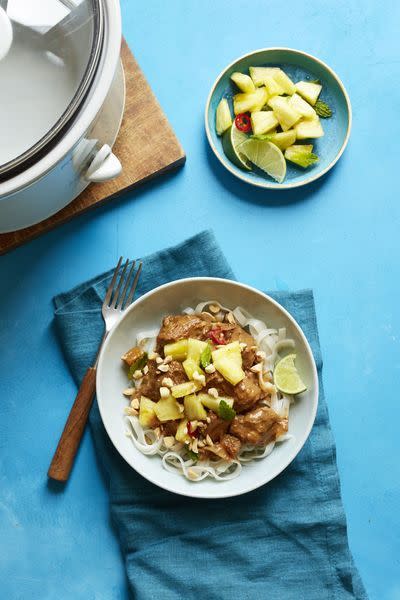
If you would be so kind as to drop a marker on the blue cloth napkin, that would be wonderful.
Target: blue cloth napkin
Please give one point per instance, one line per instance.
(284, 541)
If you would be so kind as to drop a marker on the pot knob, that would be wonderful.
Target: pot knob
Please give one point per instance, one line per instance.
(104, 166)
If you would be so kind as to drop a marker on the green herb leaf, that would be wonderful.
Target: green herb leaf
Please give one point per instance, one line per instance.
(301, 154)
(193, 455)
(225, 411)
(138, 365)
(317, 81)
(306, 160)
(322, 109)
(205, 357)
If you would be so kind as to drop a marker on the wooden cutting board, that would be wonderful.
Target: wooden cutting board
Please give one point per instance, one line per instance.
(146, 146)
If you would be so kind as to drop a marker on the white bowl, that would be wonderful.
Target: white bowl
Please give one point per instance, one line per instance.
(147, 313)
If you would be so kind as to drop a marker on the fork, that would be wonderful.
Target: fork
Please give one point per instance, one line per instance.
(113, 306)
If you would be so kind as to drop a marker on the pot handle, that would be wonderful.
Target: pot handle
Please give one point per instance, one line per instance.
(6, 33)
(104, 166)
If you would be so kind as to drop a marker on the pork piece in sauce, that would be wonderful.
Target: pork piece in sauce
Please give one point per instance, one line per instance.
(231, 444)
(178, 327)
(152, 381)
(247, 392)
(215, 380)
(228, 448)
(169, 428)
(217, 427)
(259, 426)
(132, 356)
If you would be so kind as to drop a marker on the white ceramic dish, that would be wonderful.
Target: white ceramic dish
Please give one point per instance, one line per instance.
(147, 313)
(60, 142)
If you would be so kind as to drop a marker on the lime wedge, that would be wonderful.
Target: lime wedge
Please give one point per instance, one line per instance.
(231, 143)
(266, 156)
(286, 377)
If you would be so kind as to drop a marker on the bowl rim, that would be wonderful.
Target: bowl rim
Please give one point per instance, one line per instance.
(258, 482)
(267, 184)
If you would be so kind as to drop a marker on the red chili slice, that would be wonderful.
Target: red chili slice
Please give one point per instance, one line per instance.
(194, 433)
(243, 122)
(217, 336)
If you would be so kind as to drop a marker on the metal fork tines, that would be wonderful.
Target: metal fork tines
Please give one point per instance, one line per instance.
(115, 301)
(120, 291)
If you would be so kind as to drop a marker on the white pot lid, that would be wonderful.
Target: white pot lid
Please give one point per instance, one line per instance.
(49, 53)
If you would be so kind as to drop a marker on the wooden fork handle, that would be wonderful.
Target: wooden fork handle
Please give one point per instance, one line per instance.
(68, 445)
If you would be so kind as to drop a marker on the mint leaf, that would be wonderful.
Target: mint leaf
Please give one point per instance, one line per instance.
(301, 155)
(317, 81)
(205, 357)
(322, 109)
(225, 411)
(138, 365)
(193, 455)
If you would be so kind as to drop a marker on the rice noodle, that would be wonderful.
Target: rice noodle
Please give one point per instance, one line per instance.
(139, 435)
(249, 453)
(219, 470)
(176, 459)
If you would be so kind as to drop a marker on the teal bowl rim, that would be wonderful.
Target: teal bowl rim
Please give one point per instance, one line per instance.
(267, 184)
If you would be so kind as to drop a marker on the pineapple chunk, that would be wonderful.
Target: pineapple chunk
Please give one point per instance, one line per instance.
(192, 363)
(228, 361)
(191, 366)
(167, 409)
(285, 114)
(178, 350)
(184, 389)
(195, 348)
(232, 350)
(309, 91)
(147, 415)
(244, 82)
(194, 408)
(283, 140)
(302, 106)
(229, 369)
(223, 119)
(263, 121)
(262, 97)
(284, 81)
(259, 74)
(309, 128)
(213, 403)
(182, 432)
(248, 102)
(273, 88)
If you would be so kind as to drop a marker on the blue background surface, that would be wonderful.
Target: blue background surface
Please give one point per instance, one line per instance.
(339, 236)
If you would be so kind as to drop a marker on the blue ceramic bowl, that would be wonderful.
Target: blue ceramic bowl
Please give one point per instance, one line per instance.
(298, 65)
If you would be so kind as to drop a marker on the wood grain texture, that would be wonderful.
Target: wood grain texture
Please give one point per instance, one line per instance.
(146, 146)
(71, 436)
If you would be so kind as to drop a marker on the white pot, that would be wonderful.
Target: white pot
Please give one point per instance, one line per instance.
(43, 180)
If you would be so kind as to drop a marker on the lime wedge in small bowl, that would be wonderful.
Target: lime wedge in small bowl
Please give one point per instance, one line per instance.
(286, 376)
(265, 156)
(231, 143)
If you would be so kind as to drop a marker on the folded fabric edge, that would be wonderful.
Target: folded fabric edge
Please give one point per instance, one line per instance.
(204, 237)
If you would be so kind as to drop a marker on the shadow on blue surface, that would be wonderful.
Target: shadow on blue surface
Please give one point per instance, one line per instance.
(261, 196)
(56, 487)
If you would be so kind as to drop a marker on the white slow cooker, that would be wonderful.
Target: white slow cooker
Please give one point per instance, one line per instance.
(62, 94)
